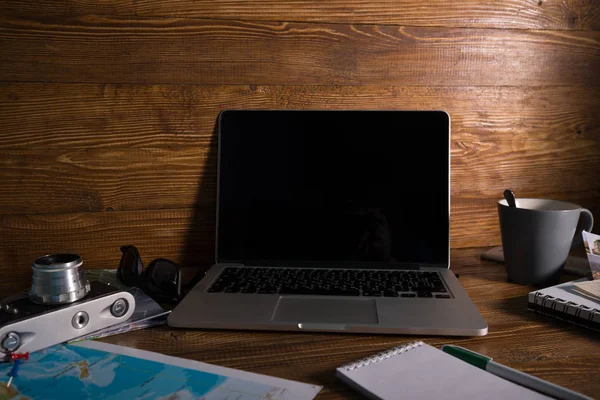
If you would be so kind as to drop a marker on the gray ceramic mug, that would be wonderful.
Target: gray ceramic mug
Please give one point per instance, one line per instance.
(537, 236)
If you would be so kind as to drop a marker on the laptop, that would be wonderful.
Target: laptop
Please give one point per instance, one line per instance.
(333, 221)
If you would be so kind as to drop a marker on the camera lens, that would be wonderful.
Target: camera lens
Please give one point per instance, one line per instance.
(58, 279)
(59, 260)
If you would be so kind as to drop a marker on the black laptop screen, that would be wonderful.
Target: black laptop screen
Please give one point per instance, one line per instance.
(333, 186)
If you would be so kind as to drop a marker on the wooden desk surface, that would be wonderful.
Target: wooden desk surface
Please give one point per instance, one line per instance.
(550, 349)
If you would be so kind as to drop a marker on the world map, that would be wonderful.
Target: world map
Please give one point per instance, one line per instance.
(67, 371)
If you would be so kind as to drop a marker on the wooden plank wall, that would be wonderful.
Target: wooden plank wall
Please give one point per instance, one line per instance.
(108, 108)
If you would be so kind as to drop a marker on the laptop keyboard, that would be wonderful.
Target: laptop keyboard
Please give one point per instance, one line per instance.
(330, 282)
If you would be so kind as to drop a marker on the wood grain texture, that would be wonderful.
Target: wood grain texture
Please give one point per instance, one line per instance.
(106, 179)
(480, 170)
(511, 14)
(124, 179)
(550, 349)
(100, 50)
(43, 116)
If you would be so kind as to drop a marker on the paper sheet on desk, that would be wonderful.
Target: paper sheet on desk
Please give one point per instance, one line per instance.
(589, 288)
(101, 370)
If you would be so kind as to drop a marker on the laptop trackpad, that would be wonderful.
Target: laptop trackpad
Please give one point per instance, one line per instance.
(321, 310)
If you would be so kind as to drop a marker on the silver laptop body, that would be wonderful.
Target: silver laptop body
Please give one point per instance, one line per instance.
(317, 230)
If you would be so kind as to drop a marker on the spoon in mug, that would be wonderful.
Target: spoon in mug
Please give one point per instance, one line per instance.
(510, 198)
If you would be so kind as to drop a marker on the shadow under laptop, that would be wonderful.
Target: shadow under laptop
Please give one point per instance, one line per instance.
(199, 251)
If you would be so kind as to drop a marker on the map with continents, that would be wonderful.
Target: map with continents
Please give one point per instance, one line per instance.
(73, 372)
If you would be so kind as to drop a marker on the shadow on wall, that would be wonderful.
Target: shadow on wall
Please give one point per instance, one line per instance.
(199, 251)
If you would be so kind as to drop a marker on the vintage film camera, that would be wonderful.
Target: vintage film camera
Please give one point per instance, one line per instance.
(61, 305)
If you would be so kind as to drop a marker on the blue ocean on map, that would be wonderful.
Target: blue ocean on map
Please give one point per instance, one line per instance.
(71, 372)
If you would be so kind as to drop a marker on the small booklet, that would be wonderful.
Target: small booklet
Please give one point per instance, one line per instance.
(589, 288)
(419, 371)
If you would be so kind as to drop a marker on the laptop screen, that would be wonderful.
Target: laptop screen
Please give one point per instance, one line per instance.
(341, 187)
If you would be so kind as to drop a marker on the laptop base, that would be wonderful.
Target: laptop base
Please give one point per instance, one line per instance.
(456, 316)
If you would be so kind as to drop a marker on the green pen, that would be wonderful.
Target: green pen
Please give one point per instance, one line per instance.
(512, 375)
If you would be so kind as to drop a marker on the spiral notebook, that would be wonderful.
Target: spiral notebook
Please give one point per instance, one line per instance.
(419, 371)
(565, 301)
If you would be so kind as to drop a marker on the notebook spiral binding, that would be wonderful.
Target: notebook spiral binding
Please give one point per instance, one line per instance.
(546, 304)
(379, 357)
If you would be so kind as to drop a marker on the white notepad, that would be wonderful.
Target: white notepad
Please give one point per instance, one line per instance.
(419, 371)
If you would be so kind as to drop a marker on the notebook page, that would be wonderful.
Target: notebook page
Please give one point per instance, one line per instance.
(425, 372)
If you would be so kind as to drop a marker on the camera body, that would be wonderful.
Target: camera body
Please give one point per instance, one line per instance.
(27, 327)
(61, 305)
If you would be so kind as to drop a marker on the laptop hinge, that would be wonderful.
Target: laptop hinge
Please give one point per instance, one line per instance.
(304, 264)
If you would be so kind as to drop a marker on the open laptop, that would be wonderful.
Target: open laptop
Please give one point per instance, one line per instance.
(332, 221)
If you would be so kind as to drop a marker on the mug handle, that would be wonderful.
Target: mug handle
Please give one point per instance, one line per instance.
(588, 219)
(587, 225)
